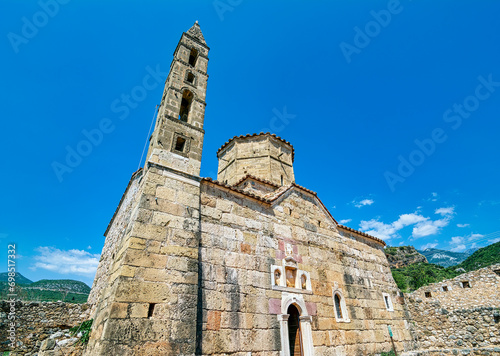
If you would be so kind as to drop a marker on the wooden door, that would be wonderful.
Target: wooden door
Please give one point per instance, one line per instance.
(294, 334)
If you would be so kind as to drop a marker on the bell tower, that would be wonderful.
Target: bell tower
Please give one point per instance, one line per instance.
(146, 285)
(177, 140)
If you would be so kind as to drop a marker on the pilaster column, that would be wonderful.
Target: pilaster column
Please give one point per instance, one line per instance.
(305, 326)
(285, 344)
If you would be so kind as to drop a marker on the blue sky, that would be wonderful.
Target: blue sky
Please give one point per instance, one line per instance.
(392, 107)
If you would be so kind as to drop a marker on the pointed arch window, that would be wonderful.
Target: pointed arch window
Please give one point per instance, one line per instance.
(187, 99)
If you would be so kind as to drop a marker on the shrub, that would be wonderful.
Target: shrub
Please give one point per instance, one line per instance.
(84, 328)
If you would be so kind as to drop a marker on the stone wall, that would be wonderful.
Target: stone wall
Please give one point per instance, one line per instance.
(149, 303)
(36, 321)
(243, 239)
(462, 313)
(115, 231)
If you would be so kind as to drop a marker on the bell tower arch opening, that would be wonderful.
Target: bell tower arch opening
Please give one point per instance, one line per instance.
(187, 99)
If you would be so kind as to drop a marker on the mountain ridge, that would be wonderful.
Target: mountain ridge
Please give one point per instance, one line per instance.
(414, 276)
(445, 258)
(47, 290)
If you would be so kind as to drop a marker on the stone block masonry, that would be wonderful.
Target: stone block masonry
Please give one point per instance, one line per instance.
(36, 321)
(251, 265)
(461, 314)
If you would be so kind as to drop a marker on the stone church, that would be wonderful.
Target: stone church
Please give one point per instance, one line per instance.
(249, 264)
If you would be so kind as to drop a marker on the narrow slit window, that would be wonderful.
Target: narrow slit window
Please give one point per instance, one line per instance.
(151, 310)
(338, 307)
(179, 144)
(193, 56)
(388, 302)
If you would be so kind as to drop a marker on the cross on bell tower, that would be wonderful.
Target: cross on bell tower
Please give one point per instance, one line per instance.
(177, 140)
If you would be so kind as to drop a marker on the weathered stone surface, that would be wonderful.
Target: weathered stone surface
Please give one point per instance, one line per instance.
(40, 325)
(456, 319)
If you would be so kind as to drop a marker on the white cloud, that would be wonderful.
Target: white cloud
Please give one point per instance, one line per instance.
(492, 241)
(460, 243)
(432, 227)
(458, 248)
(434, 196)
(363, 203)
(423, 226)
(379, 229)
(429, 227)
(407, 220)
(473, 237)
(345, 221)
(457, 240)
(463, 225)
(428, 245)
(445, 211)
(78, 262)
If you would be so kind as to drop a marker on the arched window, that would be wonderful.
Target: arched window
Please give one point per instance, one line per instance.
(193, 56)
(340, 308)
(277, 276)
(187, 99)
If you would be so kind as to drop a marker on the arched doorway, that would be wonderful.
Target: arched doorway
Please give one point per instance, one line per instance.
(294, 332)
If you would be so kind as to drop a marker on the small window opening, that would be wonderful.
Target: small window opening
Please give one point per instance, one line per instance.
(190, 78)
(290, 277)
(281, 180)
(338, 309)
(277, 276)
(445, 288)
(187, 99)
(151, 310)
(497, 271)
(179, 144)
(428, 294)
(386, 299)
(465, 284)
(193, 56)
